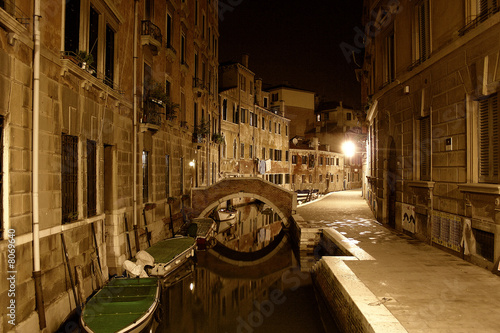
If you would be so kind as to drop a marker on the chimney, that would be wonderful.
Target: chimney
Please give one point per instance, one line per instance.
(244, 60)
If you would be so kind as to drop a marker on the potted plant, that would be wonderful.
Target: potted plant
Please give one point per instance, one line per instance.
(87, 59)
(157, 95)
(170, 200)
(203, 129)
(218, 138)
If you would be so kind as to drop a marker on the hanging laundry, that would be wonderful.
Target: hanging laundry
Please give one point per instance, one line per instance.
(268, 165)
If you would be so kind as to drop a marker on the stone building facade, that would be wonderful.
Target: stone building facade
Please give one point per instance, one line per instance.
(127, 99)
(315, 167)
(253, 134)
(430, 83)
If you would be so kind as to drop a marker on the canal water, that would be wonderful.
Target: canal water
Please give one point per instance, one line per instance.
(271, 295)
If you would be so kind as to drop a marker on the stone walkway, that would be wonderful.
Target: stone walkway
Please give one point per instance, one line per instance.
(426, 289)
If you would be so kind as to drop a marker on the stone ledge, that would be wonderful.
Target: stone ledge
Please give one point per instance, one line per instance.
(365, 312)
(346, 245)
(480, 188)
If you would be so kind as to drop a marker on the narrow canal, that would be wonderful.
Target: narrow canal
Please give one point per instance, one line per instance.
(270, 295)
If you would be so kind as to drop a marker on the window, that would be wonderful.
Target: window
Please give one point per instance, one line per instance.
(109, 65)
(224, 109)
(321, 160)
(235, 147)
(196, 12)
(242, 150)
(320, 178)
(91, 178)
(93, 46)
(145, 176)
(286, 156)
(489, 140)
(425, 148)
(250, 119)
(263, 153)
(279, 128)
(349, 116)
(181, 178)
(235, 114)
(168, 32)
(304, 159)
(310, 179)
(168, 88)
(167, 176)
(250, 152)
(286, 130)
(389, 63)
(263, 123)
(183, 48)
(422, 42)
(266, 102)
(243, 82)
(271, 153)
(294, 159)
(274, 97)
(270, 126)
(72, 26)
(243, 115)
(69, 178)
(303, 179)
(287, 178)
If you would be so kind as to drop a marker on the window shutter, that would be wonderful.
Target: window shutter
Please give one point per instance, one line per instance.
(423, 30)
(425, 149)
(489, 141)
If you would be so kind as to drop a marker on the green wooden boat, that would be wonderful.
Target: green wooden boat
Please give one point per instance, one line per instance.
(123, 305)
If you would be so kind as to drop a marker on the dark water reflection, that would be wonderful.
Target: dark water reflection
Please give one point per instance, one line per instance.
(205, 301)
(271, 295)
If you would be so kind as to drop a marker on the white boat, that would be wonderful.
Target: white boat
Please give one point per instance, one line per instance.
(225, 214)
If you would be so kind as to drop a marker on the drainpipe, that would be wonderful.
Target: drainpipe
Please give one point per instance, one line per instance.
(134, 150)
(37, 275)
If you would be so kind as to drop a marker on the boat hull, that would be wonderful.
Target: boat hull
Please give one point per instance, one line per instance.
(123, 305)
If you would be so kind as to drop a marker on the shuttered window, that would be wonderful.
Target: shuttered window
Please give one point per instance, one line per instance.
(423, 29)
(489, 140)
(425, 148)
(486, 8)
(69, 178)
(91, 178)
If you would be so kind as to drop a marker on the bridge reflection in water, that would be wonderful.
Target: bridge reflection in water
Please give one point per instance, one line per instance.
(259, 290)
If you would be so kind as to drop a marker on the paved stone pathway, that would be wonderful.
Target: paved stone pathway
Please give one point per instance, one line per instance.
(426, 289)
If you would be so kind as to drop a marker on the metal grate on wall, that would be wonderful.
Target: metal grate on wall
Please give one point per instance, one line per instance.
(485, 244)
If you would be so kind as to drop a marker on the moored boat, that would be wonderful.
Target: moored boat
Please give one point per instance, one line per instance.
(226, 214)
(122, 305)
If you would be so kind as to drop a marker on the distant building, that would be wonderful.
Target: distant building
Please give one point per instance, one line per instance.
(430, 84)
(335, 124)
(253, 134)
(315, 167)
(295, 104)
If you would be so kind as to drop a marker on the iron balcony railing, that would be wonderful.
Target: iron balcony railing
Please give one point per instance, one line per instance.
(198, 83)
(478, 20)
(151, 114)
(149, 29)
(10, 7)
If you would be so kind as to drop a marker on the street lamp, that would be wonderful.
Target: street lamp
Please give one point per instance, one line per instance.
(348, 148)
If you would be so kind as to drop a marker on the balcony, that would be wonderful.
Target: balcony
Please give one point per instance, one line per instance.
(10, 7)
(478, 20)
(198, 86)
(151, 35)
(170, 51)
(151, 116)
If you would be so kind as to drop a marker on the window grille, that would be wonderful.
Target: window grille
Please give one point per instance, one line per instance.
(69, 178)
(91, 178)
(485, 244)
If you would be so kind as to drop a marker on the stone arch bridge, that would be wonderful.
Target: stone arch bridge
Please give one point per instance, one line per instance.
(281, 200)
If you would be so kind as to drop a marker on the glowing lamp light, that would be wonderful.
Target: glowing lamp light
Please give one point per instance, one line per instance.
(191, 286)
(348, 148)
(191, 164)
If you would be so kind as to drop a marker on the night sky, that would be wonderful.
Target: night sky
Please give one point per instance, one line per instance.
(294, 42)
